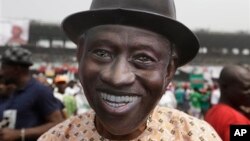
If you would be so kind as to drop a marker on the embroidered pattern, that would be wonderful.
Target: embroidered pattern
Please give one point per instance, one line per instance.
(164, 125)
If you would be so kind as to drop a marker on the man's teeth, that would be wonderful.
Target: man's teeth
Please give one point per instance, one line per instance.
(118, 99)
(116, 105)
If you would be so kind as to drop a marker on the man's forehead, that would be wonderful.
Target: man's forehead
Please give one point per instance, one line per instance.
(121, 32)
(122, 28)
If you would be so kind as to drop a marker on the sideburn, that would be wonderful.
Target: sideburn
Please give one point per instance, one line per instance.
(79, 51)
(172, 65)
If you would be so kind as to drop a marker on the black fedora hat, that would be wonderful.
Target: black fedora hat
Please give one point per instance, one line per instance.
(156, 15)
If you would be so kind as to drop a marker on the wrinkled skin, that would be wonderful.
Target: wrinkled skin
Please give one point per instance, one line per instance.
(124, 61)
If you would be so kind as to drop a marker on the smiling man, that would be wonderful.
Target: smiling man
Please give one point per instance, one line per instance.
(128, 52)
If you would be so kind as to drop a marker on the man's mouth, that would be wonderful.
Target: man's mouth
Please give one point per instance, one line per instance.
(116, 103)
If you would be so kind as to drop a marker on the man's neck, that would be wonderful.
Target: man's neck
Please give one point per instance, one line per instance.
(101, 130)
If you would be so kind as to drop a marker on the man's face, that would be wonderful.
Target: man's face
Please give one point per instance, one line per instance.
(124, 71)
(9, 73)
(16, 31)
(6, 89)
(61, 86)
(240, 88)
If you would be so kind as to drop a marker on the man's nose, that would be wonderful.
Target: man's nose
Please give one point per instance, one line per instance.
(118, 74)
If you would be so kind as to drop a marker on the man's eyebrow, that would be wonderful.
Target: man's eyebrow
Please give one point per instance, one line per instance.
(140, 46)
(148, 45)
(102, 41)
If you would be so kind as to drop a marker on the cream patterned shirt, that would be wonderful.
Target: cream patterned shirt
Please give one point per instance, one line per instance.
(165, 124)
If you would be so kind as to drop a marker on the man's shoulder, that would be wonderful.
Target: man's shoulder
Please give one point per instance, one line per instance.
(221, 110)
(70, 128)
(34, 86)
(227, 114)
(184, 125)
(176, 115)
(222, 106)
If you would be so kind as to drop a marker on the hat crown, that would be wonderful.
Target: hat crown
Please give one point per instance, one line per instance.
(159, 7)
(17, 55)
(158, 16)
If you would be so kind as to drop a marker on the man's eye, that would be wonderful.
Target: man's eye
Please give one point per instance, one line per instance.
(102, 54)
(144, 59)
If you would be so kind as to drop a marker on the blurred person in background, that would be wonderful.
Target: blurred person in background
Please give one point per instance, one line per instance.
(43, 79)
(128, 52)
(234, 104)
(5, 88)
(168, 99)
(16, 38)
(60, 84)
(72, 88)
(81, 101)
(31, 108)
(187, 91)
(195, 103)
(5, 92)
(180, 96)
(68, 99)
(215, 94)
(205, 101)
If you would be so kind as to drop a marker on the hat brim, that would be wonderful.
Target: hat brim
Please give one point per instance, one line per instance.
(11, 62)
(187, 44)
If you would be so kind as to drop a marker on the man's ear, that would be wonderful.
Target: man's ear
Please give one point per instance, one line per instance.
(80, 50)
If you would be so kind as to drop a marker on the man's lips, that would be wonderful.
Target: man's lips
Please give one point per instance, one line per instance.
(118, 101)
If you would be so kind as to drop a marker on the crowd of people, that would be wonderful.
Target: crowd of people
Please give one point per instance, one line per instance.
(68, 91)
(226, 98)
(192, 100)
(125, 88)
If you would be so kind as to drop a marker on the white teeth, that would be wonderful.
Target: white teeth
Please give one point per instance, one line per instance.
(116, 105)
(118, 99)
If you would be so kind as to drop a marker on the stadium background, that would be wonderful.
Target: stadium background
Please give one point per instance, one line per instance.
(49, 45)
